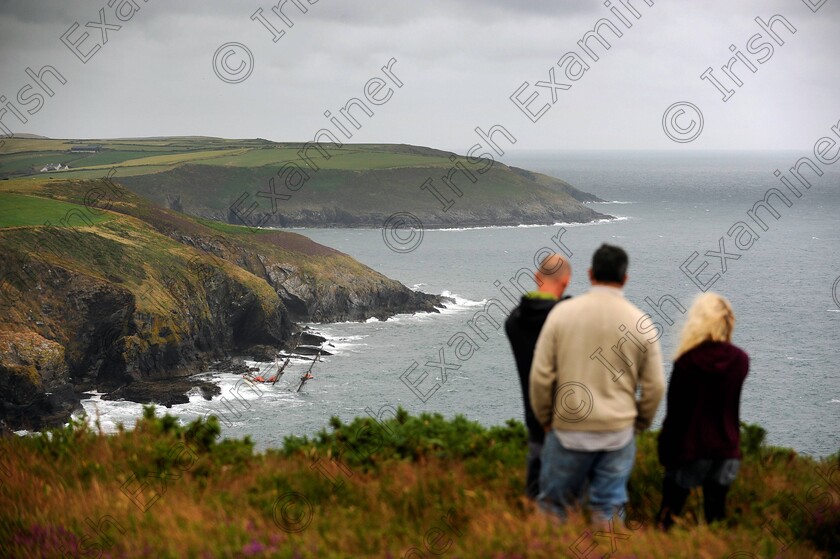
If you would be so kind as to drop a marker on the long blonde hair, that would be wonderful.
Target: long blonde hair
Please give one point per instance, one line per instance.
(710, 318)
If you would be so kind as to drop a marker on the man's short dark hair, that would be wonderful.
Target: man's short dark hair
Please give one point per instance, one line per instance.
(609, 264)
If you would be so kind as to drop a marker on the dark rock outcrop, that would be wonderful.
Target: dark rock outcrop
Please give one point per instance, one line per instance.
(164, 392)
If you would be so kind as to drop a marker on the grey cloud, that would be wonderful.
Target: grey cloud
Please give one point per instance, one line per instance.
(461, 60)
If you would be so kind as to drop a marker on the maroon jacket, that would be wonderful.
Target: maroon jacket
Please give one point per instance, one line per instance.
(704, 393)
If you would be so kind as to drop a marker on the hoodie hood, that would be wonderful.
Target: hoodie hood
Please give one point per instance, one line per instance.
(713, 357)
(533, 310)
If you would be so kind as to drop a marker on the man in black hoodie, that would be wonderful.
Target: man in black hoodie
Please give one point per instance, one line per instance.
(523, 328)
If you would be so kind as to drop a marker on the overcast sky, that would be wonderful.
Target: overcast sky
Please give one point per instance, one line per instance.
(459, 61)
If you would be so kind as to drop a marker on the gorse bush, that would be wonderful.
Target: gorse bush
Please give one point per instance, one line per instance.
(752, 439)
(366, 442)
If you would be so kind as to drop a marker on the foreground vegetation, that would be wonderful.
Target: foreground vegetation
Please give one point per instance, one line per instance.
(404, 487)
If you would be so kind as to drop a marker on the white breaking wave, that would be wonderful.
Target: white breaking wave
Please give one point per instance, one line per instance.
(616, 218)
(461, 303)
(112, 412)
(532, 226)
(478, 227)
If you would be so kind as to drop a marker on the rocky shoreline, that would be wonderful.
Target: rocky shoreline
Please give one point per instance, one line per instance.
(173, 391)
(53, 409)
(22, 408)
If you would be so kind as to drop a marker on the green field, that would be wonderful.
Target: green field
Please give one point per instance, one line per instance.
(18, 210)
(25, 156)
(344, 158)
(27, 163)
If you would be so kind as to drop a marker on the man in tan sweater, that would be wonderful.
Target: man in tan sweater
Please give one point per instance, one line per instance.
(589, 361)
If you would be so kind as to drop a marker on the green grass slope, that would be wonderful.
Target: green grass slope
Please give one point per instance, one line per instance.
(18, 210)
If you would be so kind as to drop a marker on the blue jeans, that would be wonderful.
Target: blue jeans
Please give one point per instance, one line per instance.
(565, 472)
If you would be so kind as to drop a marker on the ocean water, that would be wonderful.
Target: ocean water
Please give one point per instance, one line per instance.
(785, 289)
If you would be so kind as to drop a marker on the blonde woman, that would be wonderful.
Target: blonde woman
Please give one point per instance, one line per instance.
(699, 444)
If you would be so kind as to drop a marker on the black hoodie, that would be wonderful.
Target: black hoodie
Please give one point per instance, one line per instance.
(522, 328)
(704, 394)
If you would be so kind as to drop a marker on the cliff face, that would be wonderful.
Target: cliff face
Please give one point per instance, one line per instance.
(147, 294)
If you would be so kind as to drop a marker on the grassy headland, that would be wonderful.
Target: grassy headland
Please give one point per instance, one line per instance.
(402, 486)
(354, 185)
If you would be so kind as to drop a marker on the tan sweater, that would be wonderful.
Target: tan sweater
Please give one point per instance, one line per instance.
(579, 382)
